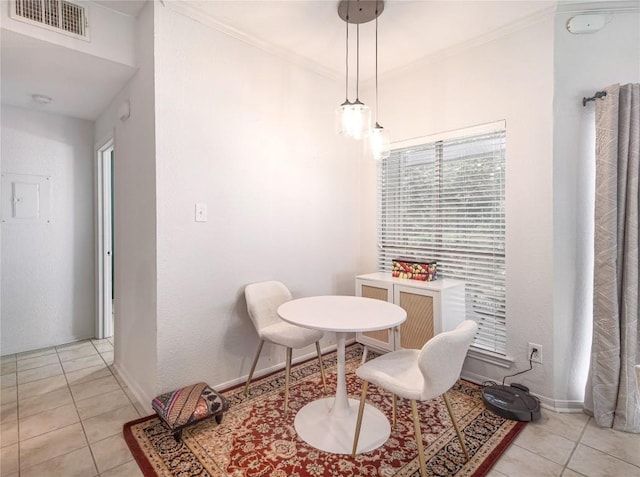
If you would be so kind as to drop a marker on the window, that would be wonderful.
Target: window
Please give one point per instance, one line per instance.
(442, 198)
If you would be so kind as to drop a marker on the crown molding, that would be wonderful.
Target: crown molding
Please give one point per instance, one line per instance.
(195, 13)
(612, 6)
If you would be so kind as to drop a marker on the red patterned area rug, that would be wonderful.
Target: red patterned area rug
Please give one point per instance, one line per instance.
(256, 439)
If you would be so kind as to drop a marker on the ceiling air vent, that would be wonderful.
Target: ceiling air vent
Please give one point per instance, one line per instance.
(58, 15)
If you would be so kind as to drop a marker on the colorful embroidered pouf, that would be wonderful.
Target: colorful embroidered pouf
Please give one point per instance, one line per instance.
(189, 405)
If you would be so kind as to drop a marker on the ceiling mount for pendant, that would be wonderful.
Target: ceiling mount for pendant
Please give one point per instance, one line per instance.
(360, 11)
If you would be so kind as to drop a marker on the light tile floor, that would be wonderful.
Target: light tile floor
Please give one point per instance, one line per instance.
(63, 409)
(570, 445)
(62, 413)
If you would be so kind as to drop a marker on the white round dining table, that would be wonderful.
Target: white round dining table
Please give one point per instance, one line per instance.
(329, 424)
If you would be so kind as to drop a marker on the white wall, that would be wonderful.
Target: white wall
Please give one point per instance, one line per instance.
(549, 173)
(48, 268)
(251, 135)
(135, 219)
(508, 78)
(584, 64)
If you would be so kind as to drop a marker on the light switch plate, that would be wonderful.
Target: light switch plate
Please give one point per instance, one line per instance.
(201, 212)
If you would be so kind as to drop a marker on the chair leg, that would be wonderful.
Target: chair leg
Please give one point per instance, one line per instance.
(286, 380)
(253, 367)
(356, 436)
(394, 403)
(416, 425)
(455, 426)
(365, 351)
(324, 381)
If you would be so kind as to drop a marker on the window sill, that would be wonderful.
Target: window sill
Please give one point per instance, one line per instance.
(490, 357)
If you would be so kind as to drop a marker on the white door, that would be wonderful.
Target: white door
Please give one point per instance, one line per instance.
(105, 240)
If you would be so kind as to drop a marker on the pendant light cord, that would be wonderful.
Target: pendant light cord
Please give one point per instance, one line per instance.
(376, 63)
(357, 62)
(346, 59)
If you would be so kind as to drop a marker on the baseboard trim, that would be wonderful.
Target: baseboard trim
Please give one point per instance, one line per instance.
(276, 367)
(555, 405)
(135, 389)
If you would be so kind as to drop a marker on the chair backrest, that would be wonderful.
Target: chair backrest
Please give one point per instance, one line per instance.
(263, 299)
(442, 357)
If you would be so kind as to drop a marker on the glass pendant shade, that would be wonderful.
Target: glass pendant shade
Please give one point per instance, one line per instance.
(378, 143)
(353, 119)
(342, 118)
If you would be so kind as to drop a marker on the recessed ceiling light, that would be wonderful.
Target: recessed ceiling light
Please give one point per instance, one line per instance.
(41, 98)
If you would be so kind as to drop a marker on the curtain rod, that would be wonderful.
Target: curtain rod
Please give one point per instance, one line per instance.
(598, 95)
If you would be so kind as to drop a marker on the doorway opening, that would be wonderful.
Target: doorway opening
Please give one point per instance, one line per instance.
(105, 325)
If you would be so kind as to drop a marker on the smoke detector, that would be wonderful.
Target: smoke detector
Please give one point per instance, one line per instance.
(41, 98)
(585, 23)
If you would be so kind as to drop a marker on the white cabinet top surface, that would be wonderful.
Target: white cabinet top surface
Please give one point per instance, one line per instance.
(436, 285)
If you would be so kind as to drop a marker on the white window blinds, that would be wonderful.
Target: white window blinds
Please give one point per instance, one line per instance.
(443, 200)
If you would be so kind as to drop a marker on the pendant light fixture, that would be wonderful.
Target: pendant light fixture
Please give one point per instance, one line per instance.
(343, 113)
(354, 119)
(361, 114)
(378, 142)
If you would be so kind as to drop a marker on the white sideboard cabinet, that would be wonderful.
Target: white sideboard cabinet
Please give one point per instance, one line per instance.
(432, 307)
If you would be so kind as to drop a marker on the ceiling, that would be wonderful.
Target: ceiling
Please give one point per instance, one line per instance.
(307, 31)
(408, 31)
(80, 85)
(128, 7)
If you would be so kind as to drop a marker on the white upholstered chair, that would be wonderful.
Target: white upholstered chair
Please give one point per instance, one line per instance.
(419, 375)
(263, 300)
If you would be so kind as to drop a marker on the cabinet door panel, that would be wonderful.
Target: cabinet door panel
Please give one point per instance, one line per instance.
(383, 336)
(382, 339)
(418, 328)
(378, 293)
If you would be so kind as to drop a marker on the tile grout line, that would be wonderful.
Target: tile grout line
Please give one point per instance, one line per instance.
(111, 370)
(73, 398)
(573, 451)
(600, 450)
(564, 466)
(64, 374)
(121, 388)
(75, 405)
(18, 404)
(18, 398)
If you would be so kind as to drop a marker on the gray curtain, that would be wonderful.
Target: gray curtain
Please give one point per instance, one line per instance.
(616, 339)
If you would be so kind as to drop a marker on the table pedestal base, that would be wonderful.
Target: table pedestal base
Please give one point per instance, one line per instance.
(318, 426)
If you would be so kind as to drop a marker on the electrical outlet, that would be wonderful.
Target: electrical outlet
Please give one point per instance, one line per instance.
(534, 353)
